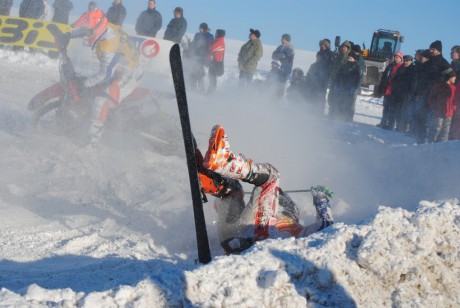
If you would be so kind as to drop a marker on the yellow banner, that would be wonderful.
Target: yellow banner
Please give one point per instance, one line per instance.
(30, 32)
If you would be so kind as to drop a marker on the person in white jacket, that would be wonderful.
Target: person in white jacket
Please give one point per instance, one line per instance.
(48, 12)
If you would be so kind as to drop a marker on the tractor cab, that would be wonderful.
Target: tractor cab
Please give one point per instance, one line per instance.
(385, 43)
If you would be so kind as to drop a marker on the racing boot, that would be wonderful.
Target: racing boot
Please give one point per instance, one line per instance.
(220, 159)
(321, 195)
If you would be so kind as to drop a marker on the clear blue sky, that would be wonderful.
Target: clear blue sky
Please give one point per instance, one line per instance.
(420, 21)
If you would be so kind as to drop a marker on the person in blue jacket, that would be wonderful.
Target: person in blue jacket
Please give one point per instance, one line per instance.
(284, 53)
(149, 21)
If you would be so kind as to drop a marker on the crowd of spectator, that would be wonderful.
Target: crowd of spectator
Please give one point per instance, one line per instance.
(419, 93)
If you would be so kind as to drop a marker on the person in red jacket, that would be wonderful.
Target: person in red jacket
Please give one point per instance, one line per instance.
(441, 103)
(385, 87)
(216, 54)
(455, 126)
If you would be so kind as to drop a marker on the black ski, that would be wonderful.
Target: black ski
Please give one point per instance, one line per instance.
(204, 253)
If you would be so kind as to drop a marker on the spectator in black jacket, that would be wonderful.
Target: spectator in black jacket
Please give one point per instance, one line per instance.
(344, 85)
(413, 105)
(296, 90)
(116, 13)
(31, 9)
(438, 63)
(176, 27)
(316, 81)
(402, 94)
(62, 10)
(5, 7)
(421, 93)
(323, 71)
(150, 21)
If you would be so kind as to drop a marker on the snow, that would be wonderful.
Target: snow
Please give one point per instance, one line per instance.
(113, 226)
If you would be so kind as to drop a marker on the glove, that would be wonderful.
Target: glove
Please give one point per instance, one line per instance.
(320, 192)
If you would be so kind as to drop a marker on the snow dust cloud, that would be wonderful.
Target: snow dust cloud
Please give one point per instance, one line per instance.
(361, 163)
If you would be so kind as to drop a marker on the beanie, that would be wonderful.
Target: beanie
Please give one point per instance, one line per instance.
(399, 54)
(407, 58)
(356, 48)
(297, 73)
(348, 44)
(425, 53)
(286, 37)
(255, 32)
(326, 42)
(204, 26)
(436, 45)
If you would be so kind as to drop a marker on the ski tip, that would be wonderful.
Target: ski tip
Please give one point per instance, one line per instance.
(174, 50)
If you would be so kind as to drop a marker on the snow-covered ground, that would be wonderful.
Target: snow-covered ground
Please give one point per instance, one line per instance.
(113, 226)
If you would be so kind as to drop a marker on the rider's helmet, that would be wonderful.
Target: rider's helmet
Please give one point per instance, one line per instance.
(94, 21)
(97, 23)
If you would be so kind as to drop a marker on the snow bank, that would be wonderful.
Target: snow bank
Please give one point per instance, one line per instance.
(399, 258)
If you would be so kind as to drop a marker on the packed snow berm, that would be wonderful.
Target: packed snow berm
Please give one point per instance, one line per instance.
(113, 226)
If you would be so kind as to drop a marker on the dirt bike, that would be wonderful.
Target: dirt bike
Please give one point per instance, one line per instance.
(66, 108)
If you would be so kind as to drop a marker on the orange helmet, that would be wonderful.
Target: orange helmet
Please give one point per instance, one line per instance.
(212, 183)
(95, 21)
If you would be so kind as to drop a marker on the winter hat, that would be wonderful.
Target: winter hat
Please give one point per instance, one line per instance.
(178, 10)
(448, 73)
(399, 54)
(255, 32)
(436, 45)
(220, 33)
(356, 48)
(326, 42)
(407, 58)
(286, 37)
(425, 53)
(347, 43)
(297, 73)
(92, 3)
(204, 26)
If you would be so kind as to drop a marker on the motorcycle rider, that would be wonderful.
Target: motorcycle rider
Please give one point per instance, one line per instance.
(119, 64)
(270, 212)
